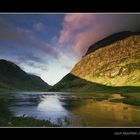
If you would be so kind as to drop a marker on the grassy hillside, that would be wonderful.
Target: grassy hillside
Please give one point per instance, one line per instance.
(117, 64)
(13, 77)
(111, 65)
(110, 39)
(76, 84)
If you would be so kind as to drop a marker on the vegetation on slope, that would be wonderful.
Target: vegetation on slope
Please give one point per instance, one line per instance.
(110, 39)
(73, 83)
(13, 77)
(117, 64)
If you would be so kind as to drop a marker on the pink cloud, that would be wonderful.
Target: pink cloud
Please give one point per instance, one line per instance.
(79, 32)
(78, 21)
(83, 41)
(72, 24)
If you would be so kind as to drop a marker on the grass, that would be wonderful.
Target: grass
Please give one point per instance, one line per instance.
(131, 94)
(99, 92)
(116, 100)
(106, 68)
(73, 83)
(24, 122)
(132, 98)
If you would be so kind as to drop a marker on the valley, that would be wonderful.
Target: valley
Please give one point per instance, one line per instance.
(106, 78)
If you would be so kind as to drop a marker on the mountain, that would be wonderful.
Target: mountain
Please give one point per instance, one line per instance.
(74, 83)
(110, 39)
(113, 61)
(116, 64)
(12, 77)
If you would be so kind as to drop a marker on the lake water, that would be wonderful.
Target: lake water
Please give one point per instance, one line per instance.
(74, 109)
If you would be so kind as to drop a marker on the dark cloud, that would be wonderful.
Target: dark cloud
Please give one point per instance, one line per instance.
(11, 35)
(24, 37)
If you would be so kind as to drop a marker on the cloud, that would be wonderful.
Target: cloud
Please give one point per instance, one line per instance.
(79, 31)
(35, 49)
(24, 31)
(50, 50)
(25, 38)
(11, 35)
(39, 26)
(85, 39)
(22, 46)
(65, 61)
(73, 23)
(37, 65)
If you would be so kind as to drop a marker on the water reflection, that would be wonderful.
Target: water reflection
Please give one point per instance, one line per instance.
(81, 110)
(53, 107)
(48, 107)
(105, 113)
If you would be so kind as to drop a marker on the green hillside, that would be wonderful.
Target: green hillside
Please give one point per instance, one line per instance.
(13, 77)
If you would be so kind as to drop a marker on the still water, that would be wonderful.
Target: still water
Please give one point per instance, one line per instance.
(74, 109)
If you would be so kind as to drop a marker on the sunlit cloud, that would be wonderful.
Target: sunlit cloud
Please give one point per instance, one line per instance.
(79, 31)
(74, 23)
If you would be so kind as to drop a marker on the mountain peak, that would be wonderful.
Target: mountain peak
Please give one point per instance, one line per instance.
(5, 61)
(110, 39)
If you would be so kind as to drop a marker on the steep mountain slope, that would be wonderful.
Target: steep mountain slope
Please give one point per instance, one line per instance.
(116, 64)
(13, 77)
(113, 61)
(74, 83)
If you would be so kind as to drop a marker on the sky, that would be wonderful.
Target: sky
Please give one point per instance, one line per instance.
(49, 45)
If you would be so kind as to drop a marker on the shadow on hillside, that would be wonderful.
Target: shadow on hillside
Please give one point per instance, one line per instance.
(73, 83)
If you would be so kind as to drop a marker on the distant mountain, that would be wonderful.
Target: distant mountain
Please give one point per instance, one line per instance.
(12, 77)
(113, 61)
